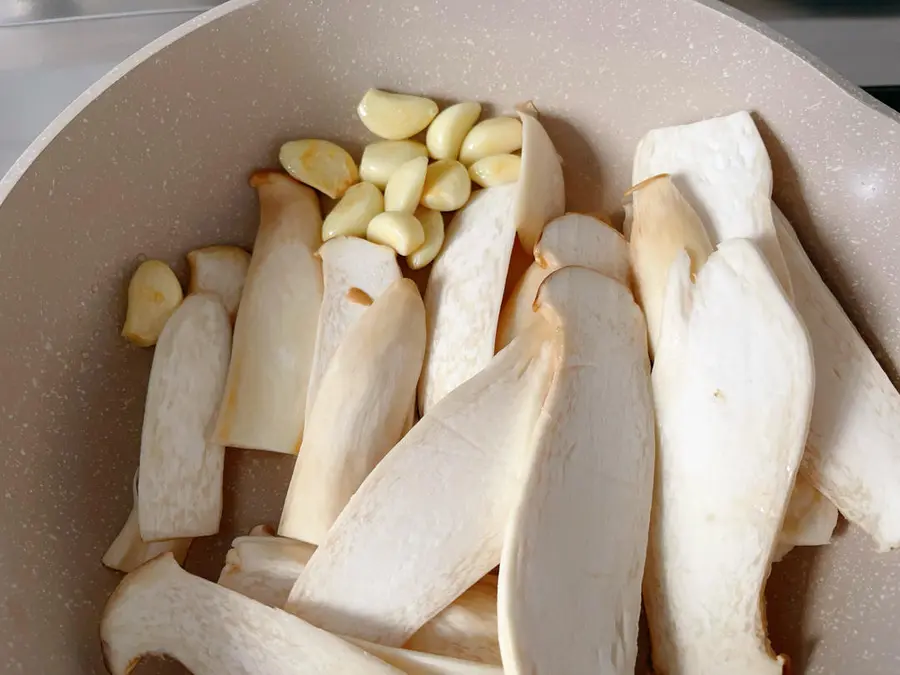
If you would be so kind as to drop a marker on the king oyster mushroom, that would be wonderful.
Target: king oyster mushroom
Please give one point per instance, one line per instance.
(180, 478)
(542, 192)
(734, 204)
(414, 662)
(361, 411)
(220, 270)
(465, 291)
(428, 522)
(265, 569)
(128, 551)
(468, 278)
(574, 239)
(853, 455)
(161, 610)
(733, 388)
(275, 331)
(347, 263)
(573, 559)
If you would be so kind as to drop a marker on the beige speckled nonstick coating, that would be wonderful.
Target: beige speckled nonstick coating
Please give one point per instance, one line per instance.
(154, 160)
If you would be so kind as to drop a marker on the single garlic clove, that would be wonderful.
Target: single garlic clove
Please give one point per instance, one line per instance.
(351, 215)
(322, 165)
(401, 231)
(495, 170)
(395, 116)
(447, 131)
(433, 226)
(447, 186)
(404, 188)
(380, 160)
(153, 294)
(495, 136)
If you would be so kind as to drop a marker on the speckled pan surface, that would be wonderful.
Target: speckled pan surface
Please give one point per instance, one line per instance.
(156, 164)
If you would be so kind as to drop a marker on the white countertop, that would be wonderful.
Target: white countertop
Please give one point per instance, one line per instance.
(43, 66)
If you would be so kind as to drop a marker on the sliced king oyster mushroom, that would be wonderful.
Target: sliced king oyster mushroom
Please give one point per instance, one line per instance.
(428, 522)
(574, 239)
(265, 569)
(734, 204)
(275, 333)
(542, 192)
(465, 288)
(180, 478)
(421, 663)
(733, 388)
(664, 224)
(361, 411)
(347, 263)
(573, 559)
(731, 202)
(465, 291)
(128, 551)
(161, 610)
(853, 454)
(220, 270)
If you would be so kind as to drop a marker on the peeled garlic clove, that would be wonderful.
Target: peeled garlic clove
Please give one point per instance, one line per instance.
(153, 294)
(401, 231)
(495, 136)
(322, 165)
(351, 215)
(395, 116)
(433, 225)
(447, 186)
(220, 270)
(404, 188)
(380, 160)
(447, 131)
(496, 170)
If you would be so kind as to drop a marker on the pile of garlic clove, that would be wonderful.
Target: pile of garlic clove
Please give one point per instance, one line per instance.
(402, 186)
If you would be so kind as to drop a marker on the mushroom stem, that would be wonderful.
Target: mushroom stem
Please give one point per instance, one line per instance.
(180, 478)
(572, 239)
(162, 610)
(854, 435)
(359, 412)
(128, 551)
(275, 331)
(266, 568)
(355, 272)
(570, 585)
(465, 292)
(413, 538)
(733, 388)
